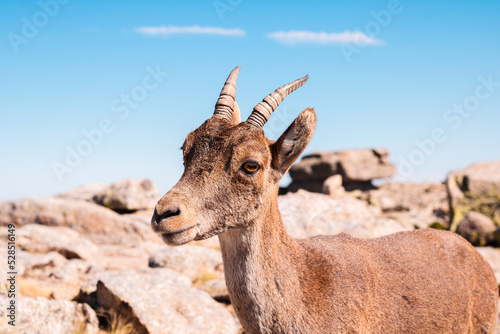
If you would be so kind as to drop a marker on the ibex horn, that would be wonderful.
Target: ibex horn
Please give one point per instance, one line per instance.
(262, 111)
(225, 103)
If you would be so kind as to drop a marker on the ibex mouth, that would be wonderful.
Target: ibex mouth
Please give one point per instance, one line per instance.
(178, 231)
(179, 237)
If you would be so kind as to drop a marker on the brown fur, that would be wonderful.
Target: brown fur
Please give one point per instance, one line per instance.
(426, 281)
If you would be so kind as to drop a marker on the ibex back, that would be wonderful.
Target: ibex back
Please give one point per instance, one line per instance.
(425, 281)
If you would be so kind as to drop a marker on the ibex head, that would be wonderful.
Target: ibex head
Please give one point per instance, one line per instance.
(231, 170)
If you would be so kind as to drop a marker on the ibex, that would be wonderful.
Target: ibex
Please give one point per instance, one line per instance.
(424, 281)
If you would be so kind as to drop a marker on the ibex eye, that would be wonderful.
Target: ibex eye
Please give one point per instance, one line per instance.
(250, 167)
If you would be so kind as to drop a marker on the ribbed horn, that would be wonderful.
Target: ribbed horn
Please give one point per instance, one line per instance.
(262, 111)
(225, 103)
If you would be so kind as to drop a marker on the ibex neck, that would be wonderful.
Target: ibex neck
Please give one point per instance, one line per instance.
(260, 264)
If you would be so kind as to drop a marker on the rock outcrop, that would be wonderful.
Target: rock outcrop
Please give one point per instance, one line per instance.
(357, 168)
(198, 263)
(85, 192)
(217, 289)
(42, 316)
(157, 300)
(476, 188)
(94, 221)
(35, 238)
(492, 256)
(333, 187)
(307, 214)
(419, 204)
(129, 195)
(51, 275)
(477, 228)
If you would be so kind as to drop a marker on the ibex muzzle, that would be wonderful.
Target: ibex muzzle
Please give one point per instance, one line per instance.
(424, 281)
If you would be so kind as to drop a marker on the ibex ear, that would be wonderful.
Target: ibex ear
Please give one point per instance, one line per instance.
(293, 141)
(235, 117)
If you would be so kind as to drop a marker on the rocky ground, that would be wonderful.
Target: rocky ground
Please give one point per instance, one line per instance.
(88, 262)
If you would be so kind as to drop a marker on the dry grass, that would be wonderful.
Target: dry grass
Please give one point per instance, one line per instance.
(31, 288)
(79, 328)
(117, 325)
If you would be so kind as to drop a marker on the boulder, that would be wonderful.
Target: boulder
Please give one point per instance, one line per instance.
(85, 192)
(477, 228)
(43, 239)
(217, 289)
(332, 186)
(29, 263)
(307, 214)
(157, 300)
(117, 257)
(198, 263)
(315, 186)
(492, 256)
(129, 195)
(357, 168)
(90, 220)
(75, 270)
(51, 275)
(476, 188)
(420, 204)
(49, 287)
(41, 316)
(316, 167)
(366, 165)
(126, 196)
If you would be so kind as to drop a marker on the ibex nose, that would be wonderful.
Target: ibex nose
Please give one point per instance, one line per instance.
(169, 212)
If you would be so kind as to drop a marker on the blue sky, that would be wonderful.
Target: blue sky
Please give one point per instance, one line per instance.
(418, 77)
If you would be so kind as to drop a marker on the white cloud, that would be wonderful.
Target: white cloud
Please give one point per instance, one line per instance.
(194, 30)
(302, 37)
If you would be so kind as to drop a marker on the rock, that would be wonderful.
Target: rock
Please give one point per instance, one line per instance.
(306, 214)
(421, 204)
(477, 228)
(315, 186)
(129, 195)
(157, 300)
(41, 316)
(217, 289)
(476, 188)
(74, 270)
(31, 263)
(143, 215)
(394, 196)
(333, 186)
(116, 257)
(90, 220)
(198, 263)
(316, 167)
(51, 275)
(377, 228)
(48, 287)
(492, 256)
(42, 239)
(357, 168)
(85, 192)
(366, 165)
